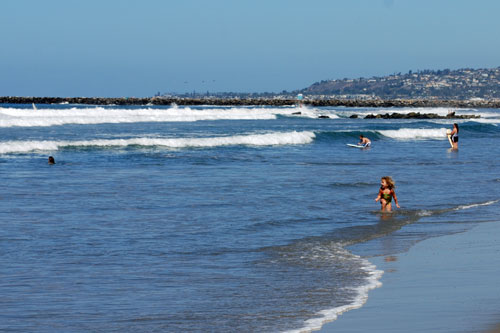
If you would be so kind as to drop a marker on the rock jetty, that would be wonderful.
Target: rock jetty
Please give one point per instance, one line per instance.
(418, 115)
(265, 101)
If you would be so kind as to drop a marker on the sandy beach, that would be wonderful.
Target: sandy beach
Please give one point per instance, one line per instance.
(442, 284)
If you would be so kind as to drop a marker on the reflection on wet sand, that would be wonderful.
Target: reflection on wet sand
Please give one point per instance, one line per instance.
(390, 258)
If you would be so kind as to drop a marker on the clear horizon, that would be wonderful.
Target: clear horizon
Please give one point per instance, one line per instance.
(127, 48)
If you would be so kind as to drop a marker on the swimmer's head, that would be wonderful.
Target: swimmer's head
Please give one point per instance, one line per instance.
(387, 182)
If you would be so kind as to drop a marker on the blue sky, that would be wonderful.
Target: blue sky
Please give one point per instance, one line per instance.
(138, 48)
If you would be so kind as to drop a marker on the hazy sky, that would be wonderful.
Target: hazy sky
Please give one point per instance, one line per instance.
(137, 48)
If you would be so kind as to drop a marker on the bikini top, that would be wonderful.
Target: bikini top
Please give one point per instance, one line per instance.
(386, 195)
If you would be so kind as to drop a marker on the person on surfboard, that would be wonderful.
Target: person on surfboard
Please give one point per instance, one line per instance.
(386, 194)
(363, 141)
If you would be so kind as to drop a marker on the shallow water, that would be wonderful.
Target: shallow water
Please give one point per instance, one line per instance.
(220, 219)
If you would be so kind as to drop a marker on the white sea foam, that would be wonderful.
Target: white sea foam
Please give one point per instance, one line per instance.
(424, 213)
(10, 117)
(325, 316)
(415, 133)
(487, 203)
(492, 121)
(311, 112)
(268, 139)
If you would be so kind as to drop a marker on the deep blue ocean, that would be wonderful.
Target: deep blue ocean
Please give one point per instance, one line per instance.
(221, 219)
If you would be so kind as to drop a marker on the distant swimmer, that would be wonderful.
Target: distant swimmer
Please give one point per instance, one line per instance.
(52, 160)
(364, 141)
(454, 136)
(386, 194)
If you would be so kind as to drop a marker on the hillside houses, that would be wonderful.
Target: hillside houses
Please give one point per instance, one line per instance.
(441, 84)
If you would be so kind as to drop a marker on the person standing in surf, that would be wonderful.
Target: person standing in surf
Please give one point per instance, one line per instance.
(386, 194)
(364, 141)
(454, 136)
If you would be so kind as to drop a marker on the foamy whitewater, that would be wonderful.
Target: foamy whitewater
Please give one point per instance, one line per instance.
(222, 219)
(291, 138)
(10, 117)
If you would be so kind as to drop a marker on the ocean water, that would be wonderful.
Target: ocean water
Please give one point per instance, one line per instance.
(221, 219)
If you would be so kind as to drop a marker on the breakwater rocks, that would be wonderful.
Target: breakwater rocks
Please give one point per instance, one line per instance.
(418, 115)
(268, 101)
(147, 101)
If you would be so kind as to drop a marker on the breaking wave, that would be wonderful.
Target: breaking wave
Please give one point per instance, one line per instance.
(415, 133)
(12, 117)
(399, 134)
(268, 139)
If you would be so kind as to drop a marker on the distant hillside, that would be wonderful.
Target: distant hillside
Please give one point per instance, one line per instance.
(442, 84)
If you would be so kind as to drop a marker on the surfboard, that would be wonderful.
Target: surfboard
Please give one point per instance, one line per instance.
(355, 146)
(449, 140)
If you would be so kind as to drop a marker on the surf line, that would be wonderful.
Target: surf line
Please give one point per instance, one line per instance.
(374, 274)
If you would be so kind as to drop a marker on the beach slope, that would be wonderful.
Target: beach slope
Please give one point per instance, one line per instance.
(442, 284)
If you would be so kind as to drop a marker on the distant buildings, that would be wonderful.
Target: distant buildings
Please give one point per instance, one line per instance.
(441, 84)
(461, 84)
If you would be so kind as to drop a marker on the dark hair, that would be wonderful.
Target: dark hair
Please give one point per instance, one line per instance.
(361, 136)
(51, 160)
(456, 126)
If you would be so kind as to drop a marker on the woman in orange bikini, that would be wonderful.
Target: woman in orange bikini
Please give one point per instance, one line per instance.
(386, 193)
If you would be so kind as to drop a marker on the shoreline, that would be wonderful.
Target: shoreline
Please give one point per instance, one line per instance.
(269, 101)
(446, 284)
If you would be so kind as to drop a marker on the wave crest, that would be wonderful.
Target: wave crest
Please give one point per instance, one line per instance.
(415, 133)
(12, 117)
(268, 139)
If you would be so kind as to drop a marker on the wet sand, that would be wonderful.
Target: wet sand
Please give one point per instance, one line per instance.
(442, 284)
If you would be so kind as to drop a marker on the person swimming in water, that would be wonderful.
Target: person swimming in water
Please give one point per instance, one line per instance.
(52, 160)
(454, 136)
(364, 141)
(386, 194)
